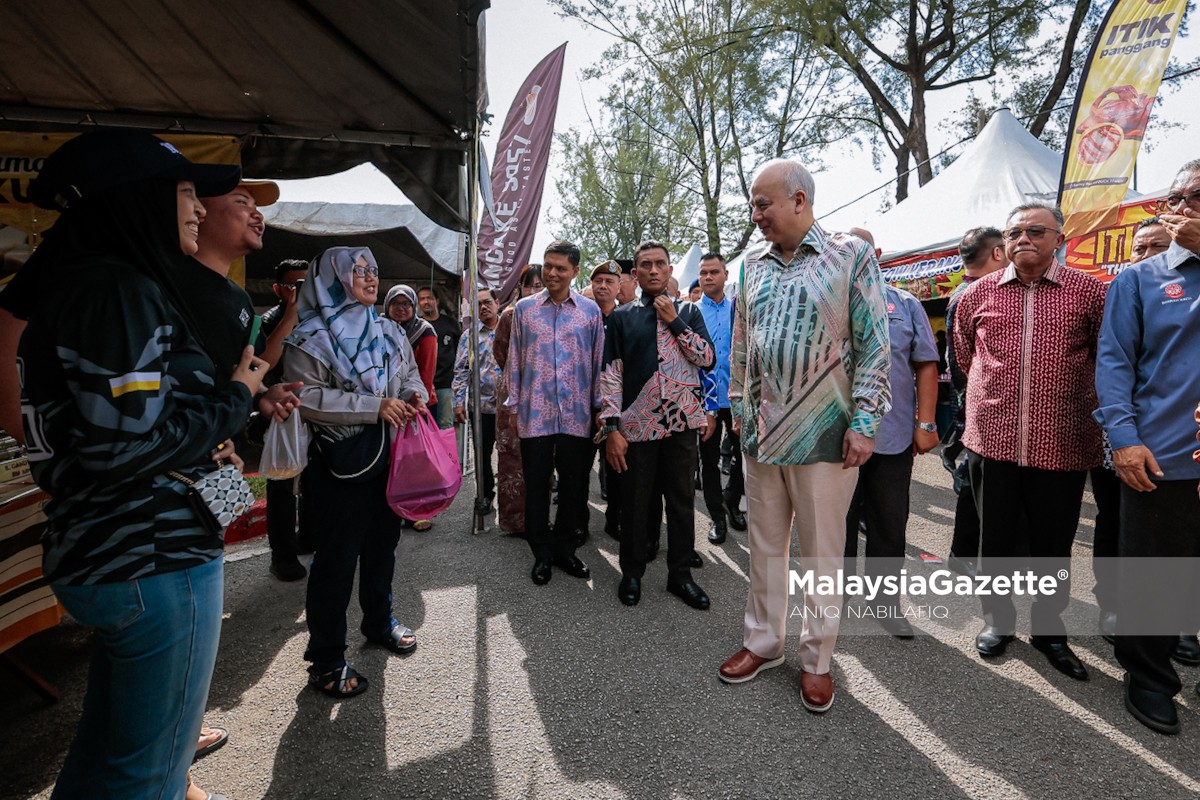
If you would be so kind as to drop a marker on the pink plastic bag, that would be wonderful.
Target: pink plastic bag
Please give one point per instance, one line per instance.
(424, 475)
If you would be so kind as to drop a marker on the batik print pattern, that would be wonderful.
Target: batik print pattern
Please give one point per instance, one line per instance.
(1029, 354)
(810, 353)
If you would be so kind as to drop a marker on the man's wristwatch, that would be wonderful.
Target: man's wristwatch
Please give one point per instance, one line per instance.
(928, 427)
(612, 425)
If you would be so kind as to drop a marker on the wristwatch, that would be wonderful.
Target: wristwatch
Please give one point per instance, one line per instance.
(612, 425)
(928, 427)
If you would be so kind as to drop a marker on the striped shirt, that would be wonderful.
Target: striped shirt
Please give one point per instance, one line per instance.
(1029, 354)
(810, 353)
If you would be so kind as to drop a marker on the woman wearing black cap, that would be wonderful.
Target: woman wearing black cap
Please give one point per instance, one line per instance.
(124, 393)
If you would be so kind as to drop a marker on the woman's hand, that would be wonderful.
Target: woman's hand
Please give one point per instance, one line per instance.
(250, 371)
(225, 452)
(394, 411)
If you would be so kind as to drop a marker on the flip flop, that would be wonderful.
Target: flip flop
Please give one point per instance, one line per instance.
(211, 747)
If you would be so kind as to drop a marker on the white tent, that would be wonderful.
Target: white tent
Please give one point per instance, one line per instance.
(444, 247)
(1003, 167)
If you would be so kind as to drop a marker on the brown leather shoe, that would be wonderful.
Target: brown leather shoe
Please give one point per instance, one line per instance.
(745, 666)
(816, 691)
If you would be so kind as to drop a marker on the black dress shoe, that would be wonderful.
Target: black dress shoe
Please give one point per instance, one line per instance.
(718, 531)
(695, 562)
(991, 642)
(689, 592)
(541, 571)
(1061, 657)
(963, 566)
(1108, 626)
(630, 590)
(737, 520)
(1155, 710)
(572, 566)
(1187, 650)
(897, 626)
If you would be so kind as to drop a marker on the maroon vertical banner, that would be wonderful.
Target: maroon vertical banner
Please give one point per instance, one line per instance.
(518, 177)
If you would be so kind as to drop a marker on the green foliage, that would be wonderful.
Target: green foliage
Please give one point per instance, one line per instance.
(701, 92)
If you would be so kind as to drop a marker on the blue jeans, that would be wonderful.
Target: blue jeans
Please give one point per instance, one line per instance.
(444, 408)
(155, 646)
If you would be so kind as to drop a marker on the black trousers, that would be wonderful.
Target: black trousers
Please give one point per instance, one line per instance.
(1164, 523)
(965, 543)
(571, 457)
(715, 499)
(487, 434)
(667, 465)
(1026, 509)
(282, 512)
(1106, 488)
(612, 486)
(881, 498)
(358, 531)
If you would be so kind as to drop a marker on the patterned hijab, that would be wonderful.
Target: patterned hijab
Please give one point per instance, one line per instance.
(340, 332)
(416, 328)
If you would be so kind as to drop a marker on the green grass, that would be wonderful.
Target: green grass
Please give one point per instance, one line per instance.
(258, 485)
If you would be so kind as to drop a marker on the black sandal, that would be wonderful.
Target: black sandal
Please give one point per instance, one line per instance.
(338, 676)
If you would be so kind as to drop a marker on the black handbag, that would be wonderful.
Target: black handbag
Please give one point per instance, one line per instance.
(357, 459)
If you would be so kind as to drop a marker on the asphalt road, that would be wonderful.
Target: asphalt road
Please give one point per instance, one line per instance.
(559, 691)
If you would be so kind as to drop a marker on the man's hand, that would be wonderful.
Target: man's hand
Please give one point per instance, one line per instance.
(615, 447)
(709, 427)
(665, 307)
(1183, 228)
(279, 401)
(856, 449)
(460, 414)
(735, 425)
(924, 441)
(1133, 463)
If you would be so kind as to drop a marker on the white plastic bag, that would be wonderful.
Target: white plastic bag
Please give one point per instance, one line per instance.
(285, 448)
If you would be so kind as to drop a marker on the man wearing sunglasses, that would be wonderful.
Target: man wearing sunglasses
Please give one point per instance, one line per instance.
(1148, 380)
(1025, 337)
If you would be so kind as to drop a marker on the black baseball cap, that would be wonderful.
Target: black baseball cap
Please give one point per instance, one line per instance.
(96, 161)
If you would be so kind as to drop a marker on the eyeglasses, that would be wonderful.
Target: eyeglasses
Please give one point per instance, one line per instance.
(293, 284)
(402, 304)
(363, 272)
(488, 302)
(1034, 232)
(1174, 201)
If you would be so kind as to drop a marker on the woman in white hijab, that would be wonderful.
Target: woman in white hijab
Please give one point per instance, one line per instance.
(358, 373)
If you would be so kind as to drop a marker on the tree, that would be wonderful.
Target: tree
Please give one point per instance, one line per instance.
(899, 51)
(718, 86)
(618, 189)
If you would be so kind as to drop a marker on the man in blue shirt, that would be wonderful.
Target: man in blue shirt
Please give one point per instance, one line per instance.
(1148, 382)
(881, 496)
(718, 318)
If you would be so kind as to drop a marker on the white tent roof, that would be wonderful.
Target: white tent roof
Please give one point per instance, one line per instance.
(1004, 167)
(443, 245)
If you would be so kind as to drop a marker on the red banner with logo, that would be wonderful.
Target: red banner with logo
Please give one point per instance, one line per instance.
(518, 176)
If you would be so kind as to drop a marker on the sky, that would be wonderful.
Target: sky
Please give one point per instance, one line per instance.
(521, 32)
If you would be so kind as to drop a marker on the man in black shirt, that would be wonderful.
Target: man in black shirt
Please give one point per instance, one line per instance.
(448, 331)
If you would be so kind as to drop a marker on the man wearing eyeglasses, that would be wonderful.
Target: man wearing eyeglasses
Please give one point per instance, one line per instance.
(1148, 380)
(489, 373)
(1026, 339)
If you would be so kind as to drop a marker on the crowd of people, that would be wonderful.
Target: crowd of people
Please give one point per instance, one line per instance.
(141, 370)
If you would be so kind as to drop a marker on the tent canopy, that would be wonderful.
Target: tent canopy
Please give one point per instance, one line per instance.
(1002, 168)
(409, 247)
(313, 87)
